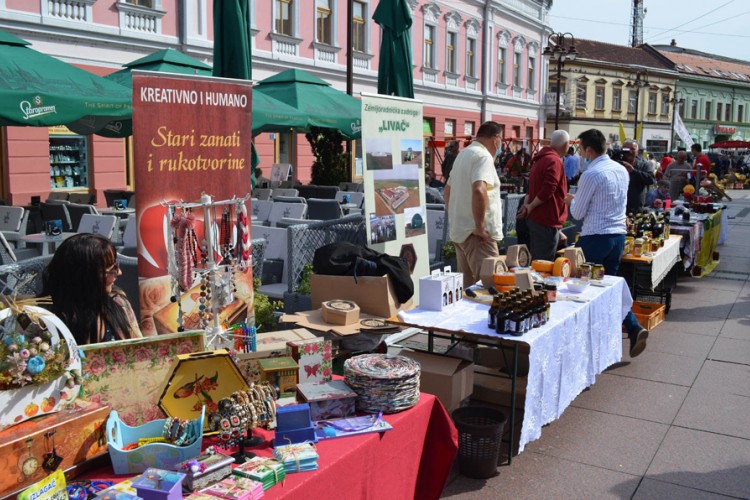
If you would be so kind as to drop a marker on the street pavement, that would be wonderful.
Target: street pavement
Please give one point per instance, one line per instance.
(673, 423)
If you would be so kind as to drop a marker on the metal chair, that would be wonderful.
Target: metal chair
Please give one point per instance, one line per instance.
(286, 211)
(56, 211)
(284, 192)
(76, 212)
(262, 193)
(289, 199)
(15, 276)
(286, 222)
(13, 222)
(128, 281)
(98, 224)
(321, 209)
(82, 198)
(58, 195)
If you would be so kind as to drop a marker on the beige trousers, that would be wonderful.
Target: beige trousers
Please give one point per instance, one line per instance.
(469, 257)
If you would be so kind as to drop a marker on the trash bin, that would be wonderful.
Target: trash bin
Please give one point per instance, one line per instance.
(480, 432)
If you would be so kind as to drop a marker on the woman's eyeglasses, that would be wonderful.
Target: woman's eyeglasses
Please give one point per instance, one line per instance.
(113, 271)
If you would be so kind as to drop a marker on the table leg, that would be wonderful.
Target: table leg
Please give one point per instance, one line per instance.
(430, 341)
(513, 380)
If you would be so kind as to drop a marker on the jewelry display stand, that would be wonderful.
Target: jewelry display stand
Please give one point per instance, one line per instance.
(190, 261)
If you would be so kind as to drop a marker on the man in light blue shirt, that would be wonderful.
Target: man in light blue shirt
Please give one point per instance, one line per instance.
(571, 164)
(600, 203)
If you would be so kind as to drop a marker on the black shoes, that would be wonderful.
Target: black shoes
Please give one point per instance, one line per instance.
(638, 342)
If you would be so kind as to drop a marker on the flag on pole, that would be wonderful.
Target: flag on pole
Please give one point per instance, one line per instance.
(638, 132)
(622, 133)
(681, 129)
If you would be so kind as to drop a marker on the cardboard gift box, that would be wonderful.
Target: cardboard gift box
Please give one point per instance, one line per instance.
(332, 399)
(270, 345)
(158, 484)
(438, 290)
(282, 373)
(373, 294)
(450, 379)
(314, 359)
(78, 434)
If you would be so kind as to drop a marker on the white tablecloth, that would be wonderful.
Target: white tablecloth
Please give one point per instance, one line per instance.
(664, 260)
(580, 341)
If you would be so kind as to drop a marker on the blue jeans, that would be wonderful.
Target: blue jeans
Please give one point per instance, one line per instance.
(606, 249)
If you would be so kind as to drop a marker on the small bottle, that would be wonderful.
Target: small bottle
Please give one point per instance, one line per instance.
(492, 315)
(501, 323)
(551, 292)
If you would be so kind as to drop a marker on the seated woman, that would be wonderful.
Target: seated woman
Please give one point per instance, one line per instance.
(80, 279)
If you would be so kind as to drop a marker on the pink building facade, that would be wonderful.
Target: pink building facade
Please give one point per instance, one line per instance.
(472, 61)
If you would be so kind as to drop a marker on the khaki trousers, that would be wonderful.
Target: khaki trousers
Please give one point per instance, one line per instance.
(469, 257)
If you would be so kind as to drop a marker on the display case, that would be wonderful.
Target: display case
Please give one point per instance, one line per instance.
(68, 162)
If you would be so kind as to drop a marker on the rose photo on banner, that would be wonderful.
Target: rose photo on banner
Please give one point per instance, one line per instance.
(191, 136)
(393, 178)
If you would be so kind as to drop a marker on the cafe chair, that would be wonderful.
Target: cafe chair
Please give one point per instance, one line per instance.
(286, 222)
(128, 281)
(284, 192)
(82, 198)
(13, 221)
(289, 199)
(58, 195)
(24, 277)
(103, 225)
(76, 212)
(56, 211)
(262, 193)
(286, 211)
(320, 209)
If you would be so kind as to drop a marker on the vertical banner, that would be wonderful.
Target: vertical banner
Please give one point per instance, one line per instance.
(191, 136)
(394, 180)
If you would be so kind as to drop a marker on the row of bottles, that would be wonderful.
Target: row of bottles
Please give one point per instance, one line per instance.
(518, 311)
(646, 233)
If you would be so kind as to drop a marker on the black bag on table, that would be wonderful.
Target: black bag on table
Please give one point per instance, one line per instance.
(347, 259)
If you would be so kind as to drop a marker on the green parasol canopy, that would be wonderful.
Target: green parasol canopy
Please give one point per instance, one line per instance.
(162, 61)
(394, 69)
(324, 106)
(40, 90)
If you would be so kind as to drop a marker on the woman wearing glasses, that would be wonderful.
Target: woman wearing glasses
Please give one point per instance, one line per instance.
(80, 279)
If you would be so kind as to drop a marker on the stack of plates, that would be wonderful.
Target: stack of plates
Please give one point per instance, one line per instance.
(383, 382)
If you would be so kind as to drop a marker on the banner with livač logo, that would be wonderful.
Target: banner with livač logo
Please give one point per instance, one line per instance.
(191, 137)
(394, 180)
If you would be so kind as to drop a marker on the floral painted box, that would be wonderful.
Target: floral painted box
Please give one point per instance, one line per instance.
(269, 345)
(332, 399)
(130, 375)
(314, 359)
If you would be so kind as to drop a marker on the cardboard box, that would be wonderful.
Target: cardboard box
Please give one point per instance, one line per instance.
(494, 389)
(437, 291)
(270, 345)
(373, 294)
(340, 312)
(450, 379)
(490, 267)
(332, 399)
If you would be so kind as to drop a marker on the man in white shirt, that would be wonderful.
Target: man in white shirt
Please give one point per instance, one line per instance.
(472, 199)
(600, 203)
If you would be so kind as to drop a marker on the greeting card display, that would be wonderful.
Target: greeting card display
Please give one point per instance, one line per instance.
(314, 359)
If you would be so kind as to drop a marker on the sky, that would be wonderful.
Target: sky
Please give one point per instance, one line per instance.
(714, 26)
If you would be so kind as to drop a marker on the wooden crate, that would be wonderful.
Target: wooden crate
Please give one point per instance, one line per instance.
(649, 314)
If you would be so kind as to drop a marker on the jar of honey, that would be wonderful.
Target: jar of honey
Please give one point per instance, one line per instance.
(638, 247)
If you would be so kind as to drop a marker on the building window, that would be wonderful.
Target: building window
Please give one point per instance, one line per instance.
(531, 77)
(652, 103)
(665, 105)
(516, 131)
(469, 129)
(599, 101)
(501, 71)
(719, 107)
(529, 132)
(471, 48)
(740, 113)
(581, 95)
(358, 35)
(283, 21)
(517, 69)
(708, 111)
(142, 3)
(429, 46)
(617, 100)
(632, 96)
(450, 46)
(728, 112)
(694, 110)
(323, 22)
(449, 128)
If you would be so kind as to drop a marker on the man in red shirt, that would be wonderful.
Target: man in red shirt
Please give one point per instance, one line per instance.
(702, 160)
(544, 205)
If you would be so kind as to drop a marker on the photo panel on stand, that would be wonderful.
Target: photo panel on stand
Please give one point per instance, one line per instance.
(396, 189)
(379, 153)
(415, 221)
(411, 151)
(382, 228)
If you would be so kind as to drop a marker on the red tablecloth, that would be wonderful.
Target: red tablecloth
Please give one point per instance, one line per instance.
(411, 461)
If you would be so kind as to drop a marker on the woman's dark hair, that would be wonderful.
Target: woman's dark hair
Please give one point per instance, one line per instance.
(594, 139)
(76, 280)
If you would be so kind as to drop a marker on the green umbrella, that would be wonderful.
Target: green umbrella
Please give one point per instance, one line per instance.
(324, 106)
(40, 90)
(232, 46)
(394, 69)
(162, 61)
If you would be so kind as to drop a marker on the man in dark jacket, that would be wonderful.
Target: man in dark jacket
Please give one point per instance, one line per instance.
(641, 176)
(544, 205)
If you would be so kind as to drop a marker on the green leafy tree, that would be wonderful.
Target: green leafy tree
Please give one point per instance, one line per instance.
(331, 165)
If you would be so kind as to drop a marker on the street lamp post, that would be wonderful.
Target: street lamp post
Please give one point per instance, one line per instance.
(641, 80)
(675, 102)
(560, 47)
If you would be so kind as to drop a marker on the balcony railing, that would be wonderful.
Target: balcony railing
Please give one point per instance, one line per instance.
(69, 10)
(550, 97)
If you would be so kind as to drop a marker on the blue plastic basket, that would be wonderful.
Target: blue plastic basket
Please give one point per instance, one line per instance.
(158, 455)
